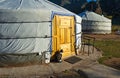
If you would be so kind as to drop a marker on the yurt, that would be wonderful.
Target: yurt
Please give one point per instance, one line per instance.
(94, 23)
(32, 31)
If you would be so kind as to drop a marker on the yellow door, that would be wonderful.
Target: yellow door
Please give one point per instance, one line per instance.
(63, 32)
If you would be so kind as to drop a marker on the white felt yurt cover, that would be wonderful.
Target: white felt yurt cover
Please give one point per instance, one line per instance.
(94, 23)
(25, 26)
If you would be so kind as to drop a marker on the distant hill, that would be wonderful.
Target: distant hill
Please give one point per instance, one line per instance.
(109, 8)
(72, 5)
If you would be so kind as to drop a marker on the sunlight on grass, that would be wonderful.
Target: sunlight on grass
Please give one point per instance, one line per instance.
(115, 28)
(110, 48)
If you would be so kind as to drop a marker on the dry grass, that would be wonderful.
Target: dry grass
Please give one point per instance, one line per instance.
(115, 28)
(110, 45)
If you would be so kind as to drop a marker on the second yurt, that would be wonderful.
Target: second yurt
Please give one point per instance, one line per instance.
(94, 23)
(33, 30)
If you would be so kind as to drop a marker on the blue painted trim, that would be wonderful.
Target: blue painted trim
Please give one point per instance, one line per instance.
(62, 14)
(50, 49)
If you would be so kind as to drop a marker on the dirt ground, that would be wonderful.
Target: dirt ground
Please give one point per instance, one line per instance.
(64, 74)
(104, 36)
(70, 74)
(113, 62)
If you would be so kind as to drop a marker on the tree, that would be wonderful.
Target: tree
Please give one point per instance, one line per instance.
(111, 8)
(58, 2)
(93, 6)
(72, 5)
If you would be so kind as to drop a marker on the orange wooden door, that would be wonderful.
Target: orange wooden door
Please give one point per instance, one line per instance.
(63, 32)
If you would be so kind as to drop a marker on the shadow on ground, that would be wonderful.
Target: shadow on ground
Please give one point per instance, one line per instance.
(70, 74)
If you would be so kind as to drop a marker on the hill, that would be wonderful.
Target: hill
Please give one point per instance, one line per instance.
(72, 5)
(108, 8)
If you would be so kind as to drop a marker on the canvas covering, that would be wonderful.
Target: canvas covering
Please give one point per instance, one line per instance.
(94, 23)
(25, 25)
(26, 30)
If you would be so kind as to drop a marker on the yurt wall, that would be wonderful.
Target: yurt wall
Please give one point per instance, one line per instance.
(94, 23)
(26, 30)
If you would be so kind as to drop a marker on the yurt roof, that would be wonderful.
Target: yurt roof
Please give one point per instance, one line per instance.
(93, 17)
(28, 10)
(29, 5)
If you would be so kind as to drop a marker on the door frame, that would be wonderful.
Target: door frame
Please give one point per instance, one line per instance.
(61, 14)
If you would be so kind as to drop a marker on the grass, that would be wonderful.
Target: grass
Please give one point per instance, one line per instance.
(110, 48)
(115, 28)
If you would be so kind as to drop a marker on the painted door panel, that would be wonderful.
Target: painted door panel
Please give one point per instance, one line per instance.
(63, 35)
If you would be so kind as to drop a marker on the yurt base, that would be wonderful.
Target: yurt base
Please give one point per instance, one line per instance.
(18, 60)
